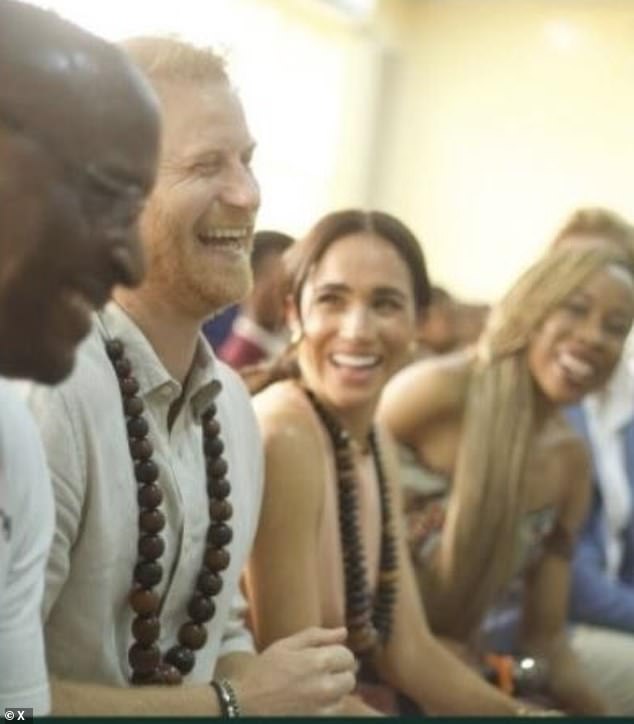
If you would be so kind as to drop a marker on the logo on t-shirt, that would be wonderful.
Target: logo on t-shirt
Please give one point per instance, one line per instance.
(5, 522)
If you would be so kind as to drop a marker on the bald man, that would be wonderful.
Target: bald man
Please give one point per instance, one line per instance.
(79, 137)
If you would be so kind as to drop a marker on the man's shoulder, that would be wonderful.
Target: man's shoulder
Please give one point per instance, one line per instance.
(18, 432)
(13, 408)
(233, 385)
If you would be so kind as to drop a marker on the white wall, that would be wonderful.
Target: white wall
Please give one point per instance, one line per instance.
(307, 72)
(481, 123)
(508, 115)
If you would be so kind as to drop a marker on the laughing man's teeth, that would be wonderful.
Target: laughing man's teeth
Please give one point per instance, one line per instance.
(577, 368)
(357, 361)
(236, 233)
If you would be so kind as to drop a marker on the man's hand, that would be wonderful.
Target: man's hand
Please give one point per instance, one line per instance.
(308, 673)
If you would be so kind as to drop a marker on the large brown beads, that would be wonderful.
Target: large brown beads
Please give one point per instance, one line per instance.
(216, 558)
(151, 547)
(144, 602)
(146, 471)
(137, 427)
(129, 386)
(149, 496)
(213, 447)
(144, 659)
(169, 675)
(211, 427)
(201, 608)
(193, 635)
(114, 349)
(209, 583)
(146, 630)
(144, 656)
(141, 449)
(122, 367)
(182, 658)
(151, 521)
(148, 573)
(218, 488)
(217, 468)
(219, 534)
(133, 406)
(220, 509)
(163, 675)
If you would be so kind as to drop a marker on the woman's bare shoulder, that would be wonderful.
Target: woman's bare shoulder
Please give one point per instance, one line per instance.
(425, 391)
(284, 413)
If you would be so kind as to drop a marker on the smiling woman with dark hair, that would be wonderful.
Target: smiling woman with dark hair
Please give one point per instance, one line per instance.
(510, 479)
(330, 548)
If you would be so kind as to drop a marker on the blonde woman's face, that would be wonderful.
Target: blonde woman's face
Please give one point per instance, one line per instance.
(577, 347)
(358, 320)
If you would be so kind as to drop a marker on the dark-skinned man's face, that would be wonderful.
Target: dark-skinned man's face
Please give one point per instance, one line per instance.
(70, 196)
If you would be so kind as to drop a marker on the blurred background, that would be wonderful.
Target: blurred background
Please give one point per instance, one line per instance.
(481, 123)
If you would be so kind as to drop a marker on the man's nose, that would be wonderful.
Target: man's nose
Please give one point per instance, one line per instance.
(126, 259)
(241, 190)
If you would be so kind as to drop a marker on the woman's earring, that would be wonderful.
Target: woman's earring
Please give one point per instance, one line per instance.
(296, 336)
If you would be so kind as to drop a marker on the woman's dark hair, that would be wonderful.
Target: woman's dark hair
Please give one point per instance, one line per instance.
(303, 256)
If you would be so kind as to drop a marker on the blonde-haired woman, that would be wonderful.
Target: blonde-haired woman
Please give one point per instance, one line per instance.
(506, 486)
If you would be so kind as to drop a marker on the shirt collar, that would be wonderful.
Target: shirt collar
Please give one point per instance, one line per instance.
(149, 370)
(613, 406)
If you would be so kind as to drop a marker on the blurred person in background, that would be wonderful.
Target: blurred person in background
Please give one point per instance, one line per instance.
(493, 536)
(218, 328)
(155, 454)
(79, 139)
(448, 324)
(437, 329)
(259, 331)
(602, 592)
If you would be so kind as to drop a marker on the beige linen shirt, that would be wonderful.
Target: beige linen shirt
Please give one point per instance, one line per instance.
(89, 574)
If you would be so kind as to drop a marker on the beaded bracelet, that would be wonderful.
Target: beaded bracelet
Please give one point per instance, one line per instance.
(226, 698)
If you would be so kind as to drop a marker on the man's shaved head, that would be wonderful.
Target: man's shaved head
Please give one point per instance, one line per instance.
(50, 68)
(79, 142)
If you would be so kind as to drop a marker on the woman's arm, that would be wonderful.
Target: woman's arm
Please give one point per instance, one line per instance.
(282, 576)
(547, 594)
(422, 406)
(282, 579)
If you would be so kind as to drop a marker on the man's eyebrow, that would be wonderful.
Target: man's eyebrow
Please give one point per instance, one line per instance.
(390, 291)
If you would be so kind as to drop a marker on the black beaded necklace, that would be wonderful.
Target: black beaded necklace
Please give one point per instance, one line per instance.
(144, 656)
(369, 622)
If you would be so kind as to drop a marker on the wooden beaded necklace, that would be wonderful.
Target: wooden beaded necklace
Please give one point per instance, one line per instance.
(369, 622)
(147, 663)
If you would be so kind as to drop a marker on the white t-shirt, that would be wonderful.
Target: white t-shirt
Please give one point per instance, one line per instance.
(89, 575)
(26, 529)
(607, 413)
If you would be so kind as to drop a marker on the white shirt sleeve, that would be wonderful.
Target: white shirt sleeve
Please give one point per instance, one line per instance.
(236, 636)
(29, 509)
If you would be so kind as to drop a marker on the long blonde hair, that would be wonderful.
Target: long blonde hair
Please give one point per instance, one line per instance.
(478, 545)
